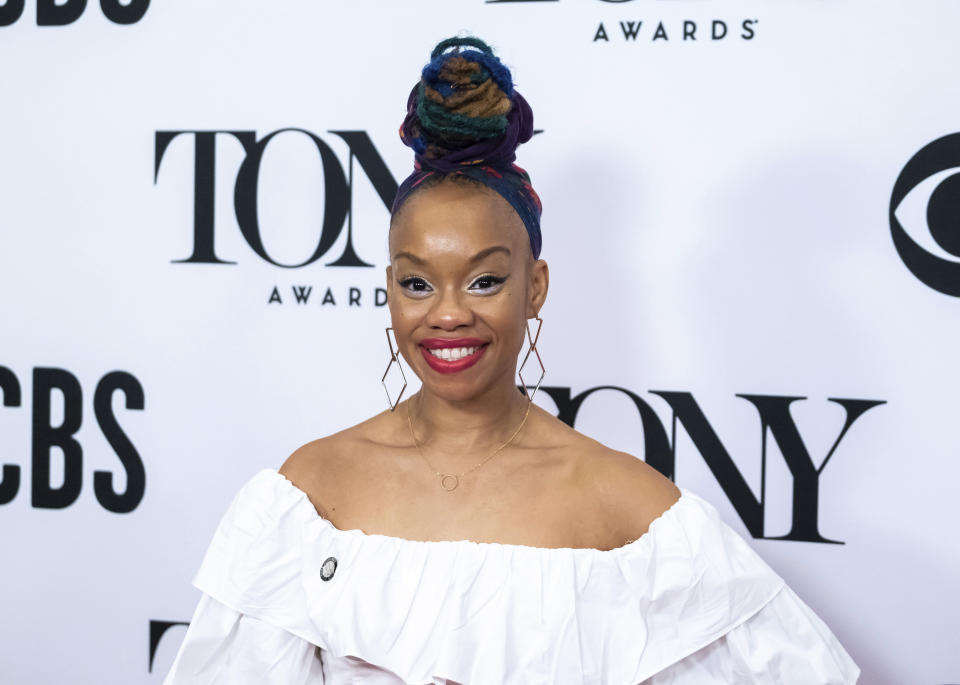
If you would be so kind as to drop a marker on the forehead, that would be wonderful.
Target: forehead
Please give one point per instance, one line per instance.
(457, 220)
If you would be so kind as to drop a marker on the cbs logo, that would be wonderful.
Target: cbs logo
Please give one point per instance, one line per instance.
(53, 13)
(928, 189)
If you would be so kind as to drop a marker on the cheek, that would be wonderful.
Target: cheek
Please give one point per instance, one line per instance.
(405, 316)
(506, 317)
(400, 315)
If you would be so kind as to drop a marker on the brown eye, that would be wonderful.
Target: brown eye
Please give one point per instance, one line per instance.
(415, 284)
(487, 282)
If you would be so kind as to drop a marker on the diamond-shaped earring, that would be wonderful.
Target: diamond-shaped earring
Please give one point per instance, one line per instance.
(383, 381)
(533, 350)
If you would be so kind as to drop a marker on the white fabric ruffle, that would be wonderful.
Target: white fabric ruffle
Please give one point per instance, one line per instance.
(688, 602)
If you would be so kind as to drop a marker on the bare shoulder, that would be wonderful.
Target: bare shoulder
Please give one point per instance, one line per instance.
(328, 467)
(631, 493)
(313, 466)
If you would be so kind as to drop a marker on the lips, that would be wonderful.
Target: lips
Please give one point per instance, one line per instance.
(446, 355)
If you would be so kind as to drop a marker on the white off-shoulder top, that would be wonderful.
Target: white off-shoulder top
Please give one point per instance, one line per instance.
(288, 598)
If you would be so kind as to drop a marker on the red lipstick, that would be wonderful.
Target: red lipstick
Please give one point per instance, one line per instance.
(445, 366)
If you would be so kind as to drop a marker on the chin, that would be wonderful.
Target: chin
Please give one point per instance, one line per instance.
(454, 389)
(454, 392)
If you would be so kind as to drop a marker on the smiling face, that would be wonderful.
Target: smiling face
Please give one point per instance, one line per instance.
(461, 284)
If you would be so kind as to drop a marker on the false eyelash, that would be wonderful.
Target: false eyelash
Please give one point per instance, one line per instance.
(407, 280)
(497, 280)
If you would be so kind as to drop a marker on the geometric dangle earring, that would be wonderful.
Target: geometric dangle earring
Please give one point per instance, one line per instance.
(383, 381)
(533, 350)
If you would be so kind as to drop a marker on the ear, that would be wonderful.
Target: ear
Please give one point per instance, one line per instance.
(537, 287)
(389, 282)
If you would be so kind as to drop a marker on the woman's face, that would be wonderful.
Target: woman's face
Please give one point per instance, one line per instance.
(461, 284)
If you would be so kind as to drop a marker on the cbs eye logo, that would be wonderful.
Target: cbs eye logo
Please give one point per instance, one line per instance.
(928, 189)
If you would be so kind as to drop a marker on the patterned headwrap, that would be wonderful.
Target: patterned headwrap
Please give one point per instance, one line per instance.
(464, 118)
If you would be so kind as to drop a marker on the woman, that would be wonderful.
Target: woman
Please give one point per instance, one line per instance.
(465, 535)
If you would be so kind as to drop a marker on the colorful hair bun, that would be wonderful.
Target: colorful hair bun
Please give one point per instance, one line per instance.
(465, 119)
(464, 110)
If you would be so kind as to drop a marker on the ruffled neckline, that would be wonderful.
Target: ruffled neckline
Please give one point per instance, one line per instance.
(486, 612)
(358, 534)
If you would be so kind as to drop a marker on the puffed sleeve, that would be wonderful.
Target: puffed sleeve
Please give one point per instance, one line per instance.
(224, 646)
(784, 643)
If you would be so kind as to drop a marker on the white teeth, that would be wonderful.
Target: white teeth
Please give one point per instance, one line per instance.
(452, 354)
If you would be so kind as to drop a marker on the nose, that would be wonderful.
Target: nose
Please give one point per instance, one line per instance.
(449, 310)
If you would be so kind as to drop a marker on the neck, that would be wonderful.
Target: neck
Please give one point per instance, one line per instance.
(467, 427)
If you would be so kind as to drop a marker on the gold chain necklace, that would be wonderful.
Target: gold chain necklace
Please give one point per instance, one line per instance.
(450, 481)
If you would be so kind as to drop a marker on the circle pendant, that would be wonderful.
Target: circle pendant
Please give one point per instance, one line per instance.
(449, 481)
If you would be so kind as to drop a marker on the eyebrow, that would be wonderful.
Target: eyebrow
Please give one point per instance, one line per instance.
(481, 255)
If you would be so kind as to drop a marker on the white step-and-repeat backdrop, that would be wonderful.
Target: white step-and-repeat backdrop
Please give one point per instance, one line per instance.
(751, 214)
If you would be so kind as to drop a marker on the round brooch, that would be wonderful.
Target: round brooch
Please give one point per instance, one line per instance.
(328, 568)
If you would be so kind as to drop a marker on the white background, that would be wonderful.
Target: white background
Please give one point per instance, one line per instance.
(715, 220)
